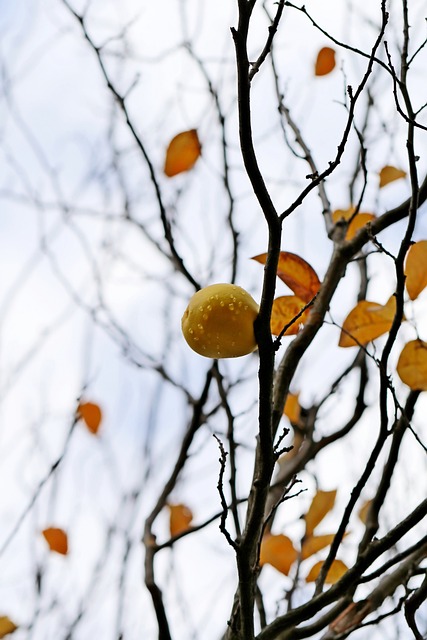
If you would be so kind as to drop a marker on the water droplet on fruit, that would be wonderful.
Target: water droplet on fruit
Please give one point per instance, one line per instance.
(231, 307)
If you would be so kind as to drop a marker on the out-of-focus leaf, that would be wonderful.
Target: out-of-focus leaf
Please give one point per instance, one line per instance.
(367, 321)
(359, 220)
(285, 309)
(337, 570)
(390, 174)
(296, 273)
(279, 552)
(180, 519)
(57, 540)
(7, 626)
(313, 544)
(363, 511)
(321, 504)
(183, 151)
(325, 61)
(412, 365)
(91, 415)
(292, 409)
(416, 269)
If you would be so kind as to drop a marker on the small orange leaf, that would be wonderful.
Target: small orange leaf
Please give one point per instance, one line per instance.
(337, 570)
(284, 310)
(412, 365)
(313, 544)
(91, 415)
(296, 273)
(6, 626)
(180, 519)
(57, 540)
(363, 511)
(292, 409)
(416, 269)
(321, 504)
(278, 551)
(325, 61)
(390, 174)
(358, 222)
(367, 321)
(183, 151)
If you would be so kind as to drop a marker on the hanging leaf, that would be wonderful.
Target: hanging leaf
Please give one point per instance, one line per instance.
(363, 511)
(279, 552)
(183, 151)
(180, 519)
(296, 273)
(325, 61)
(416, 269)
(321, 504)
(390, 174)
(337, 570)
(6, 626)
(412, 365)
(284, 310)
(358, 222)
(91, 415)
(367, 321)
(57, 540)
(313, 544)
(292, 409)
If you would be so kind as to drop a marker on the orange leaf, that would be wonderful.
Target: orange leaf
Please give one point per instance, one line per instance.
(6, 626)
(390, 174)
(295, 272)
(183, 151)
(57, 540)
(412, 365)
(91, 414)
(292, 409)
(284, 310)
(363, 511)
(358, 222)
(416, 269)
(337, 570)
(321, 504)
(279, 552)
(367, 321)
(313, 544)
(180, 519)
(325, 61)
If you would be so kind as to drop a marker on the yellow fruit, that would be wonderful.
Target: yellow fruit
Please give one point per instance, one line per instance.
(219, 321)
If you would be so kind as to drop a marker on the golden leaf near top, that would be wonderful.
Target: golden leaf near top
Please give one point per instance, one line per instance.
(412, 365)
(278, 551)
(367, 321)
(390, 174)
(321, 504)
(416, 269)
(182, 153)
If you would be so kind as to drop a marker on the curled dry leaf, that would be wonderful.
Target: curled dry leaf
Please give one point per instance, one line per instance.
(321, 504)
(416, 269)
(336, 571)
(278, 551)
(180, 519)
(7, 626)
(325, 61)
(357, 223)
(182, 153)
(285, 310)
(390, 174)
(57, 540)
(412, 365)
(296, 273)
(367, 321)
(91, 415)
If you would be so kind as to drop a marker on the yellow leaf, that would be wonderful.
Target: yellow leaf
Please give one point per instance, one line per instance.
(367, 321)
(313, 544)
(284, 310)
(321, 504)
(277, 551)
(325, 61)
(337, 570)
(292, 409)
(91, 415)
(358, 222)
(412, 365)
(363, 511)
(296, 273)
(183, 151)
(416, 269)
(390, 174)
(57, 540)
(180, 519)
(6, 626)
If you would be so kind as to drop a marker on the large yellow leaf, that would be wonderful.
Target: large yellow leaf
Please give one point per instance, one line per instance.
(183, 151)
(313, 544)
(321, 504)
(292, 408)
(337, 570)
(278, 551)
(6, 626)
(416, 269)
(325, 61)
(390, 174)
(91, 415)
(300, 277)
(57, 540)
(412, 365)
(285, 309)
(359, 220)
(367, 321)
(180, 519)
